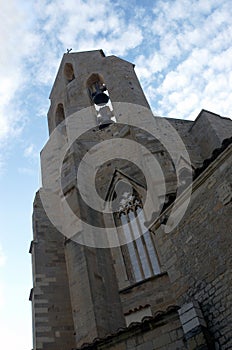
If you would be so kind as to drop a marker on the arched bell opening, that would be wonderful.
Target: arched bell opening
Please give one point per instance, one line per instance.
(97, 90)
(69, 72)
(100, 98)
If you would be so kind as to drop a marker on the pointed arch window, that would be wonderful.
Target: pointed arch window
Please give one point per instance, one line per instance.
(139, 254)
(69, 72)
(60, 119)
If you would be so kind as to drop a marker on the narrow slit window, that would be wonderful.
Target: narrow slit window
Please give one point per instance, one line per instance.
(60, 119)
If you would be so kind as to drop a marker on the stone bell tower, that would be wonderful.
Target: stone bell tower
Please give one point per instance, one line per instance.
(75, 290)
(80, 74)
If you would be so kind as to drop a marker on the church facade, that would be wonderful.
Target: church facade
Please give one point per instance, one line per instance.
(132, 232)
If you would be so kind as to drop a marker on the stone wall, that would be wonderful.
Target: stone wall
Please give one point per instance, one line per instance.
(74, 96)
(163, 332)
(208, 131)
(197, 254)
(96, 306)
(52, 313)
(156, 292)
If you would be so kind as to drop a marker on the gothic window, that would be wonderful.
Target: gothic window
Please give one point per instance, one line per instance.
(139, 254)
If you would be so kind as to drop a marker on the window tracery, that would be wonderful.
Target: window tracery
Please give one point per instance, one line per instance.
(139, 254)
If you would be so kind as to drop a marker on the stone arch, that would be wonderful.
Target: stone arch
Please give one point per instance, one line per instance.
(94, 78)
(96, 85)
(138, 255)
(69, 72)
(60, 119)
(59, 115)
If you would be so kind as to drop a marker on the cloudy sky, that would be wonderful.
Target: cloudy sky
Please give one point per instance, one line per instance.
(183, 55)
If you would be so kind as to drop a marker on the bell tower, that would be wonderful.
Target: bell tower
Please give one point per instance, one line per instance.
(75, 289)
(89, 79)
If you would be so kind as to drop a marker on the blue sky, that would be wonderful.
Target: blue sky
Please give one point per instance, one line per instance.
(183, 55)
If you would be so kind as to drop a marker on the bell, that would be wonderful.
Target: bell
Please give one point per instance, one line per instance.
(99, 98)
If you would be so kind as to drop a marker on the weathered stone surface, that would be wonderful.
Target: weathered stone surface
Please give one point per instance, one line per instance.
(202, 266)
(52, 313)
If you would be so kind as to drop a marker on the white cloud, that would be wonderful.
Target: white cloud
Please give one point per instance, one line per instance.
(15, 43)
(88, 25)
(30, 151)
(194, 66)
